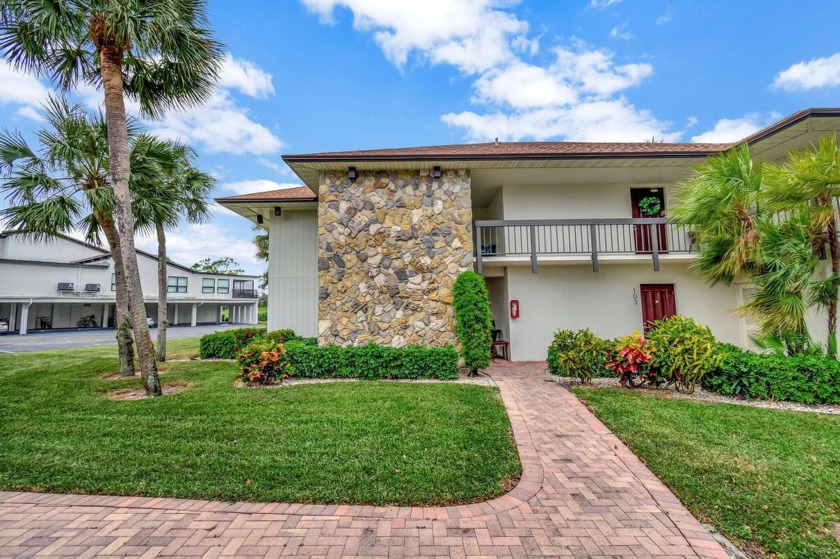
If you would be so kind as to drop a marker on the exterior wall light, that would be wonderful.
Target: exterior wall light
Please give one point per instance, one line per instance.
(351, 173)
(436, 172)
(277, 210)
(259, 219)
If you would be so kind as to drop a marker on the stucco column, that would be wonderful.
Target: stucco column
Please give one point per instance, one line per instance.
(24, 318)
(194, 314)
(104, 322)
(255, 317)
(12, 316)
(175, 315)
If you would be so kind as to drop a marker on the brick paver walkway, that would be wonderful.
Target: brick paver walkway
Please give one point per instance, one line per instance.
(582, 494)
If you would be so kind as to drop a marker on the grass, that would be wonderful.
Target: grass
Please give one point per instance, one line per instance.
(767, 479)
(365, 442)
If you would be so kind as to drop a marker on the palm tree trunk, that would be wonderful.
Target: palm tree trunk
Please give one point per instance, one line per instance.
(125, 344)
(118, 150)
(834, 250)
(162, 294)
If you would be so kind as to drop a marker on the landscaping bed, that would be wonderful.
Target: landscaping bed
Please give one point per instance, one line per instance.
(356, 442)
(767, 479)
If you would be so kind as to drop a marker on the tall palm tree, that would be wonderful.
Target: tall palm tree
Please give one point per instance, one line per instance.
(157, 52)
(809, 182)
(63, 186)
(261, 244)
(720, 205)
(181, 191)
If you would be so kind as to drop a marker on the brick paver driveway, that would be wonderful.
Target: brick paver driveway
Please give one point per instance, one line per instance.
(582, 494)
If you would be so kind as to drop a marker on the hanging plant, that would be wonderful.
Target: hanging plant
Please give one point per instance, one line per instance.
(650, 206)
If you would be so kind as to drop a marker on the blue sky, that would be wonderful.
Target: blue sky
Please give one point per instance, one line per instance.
(321, 75)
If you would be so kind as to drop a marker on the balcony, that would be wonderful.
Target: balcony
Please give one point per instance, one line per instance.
(508, 241)
(245, 294)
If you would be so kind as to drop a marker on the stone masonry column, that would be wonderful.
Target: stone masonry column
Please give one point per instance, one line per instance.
(390, 246)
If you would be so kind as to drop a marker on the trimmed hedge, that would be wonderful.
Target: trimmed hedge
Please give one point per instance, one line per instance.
(473, 324)
(805, 379)
(226, 343)
(372, 361)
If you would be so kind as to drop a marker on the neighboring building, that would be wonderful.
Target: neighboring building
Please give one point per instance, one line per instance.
(62, 280)
(558, 227)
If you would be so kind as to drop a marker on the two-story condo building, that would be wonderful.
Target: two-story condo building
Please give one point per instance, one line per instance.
(61, 282)
(369, 248)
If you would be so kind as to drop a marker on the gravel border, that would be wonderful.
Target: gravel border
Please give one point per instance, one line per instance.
(701, 395)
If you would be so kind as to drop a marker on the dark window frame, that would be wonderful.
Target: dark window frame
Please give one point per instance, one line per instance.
(176, 286)
(208, 289)
(223, 290)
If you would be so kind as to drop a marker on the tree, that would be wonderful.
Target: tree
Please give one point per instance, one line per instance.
(64, 185)
(224, 265)
(157, 52)
(809, 183)
(179, 190)
(261, 244)
(473, 323)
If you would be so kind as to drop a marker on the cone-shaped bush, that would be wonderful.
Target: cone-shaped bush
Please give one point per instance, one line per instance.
(472, 320)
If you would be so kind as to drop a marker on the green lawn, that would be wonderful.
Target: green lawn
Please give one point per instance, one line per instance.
(365, 442)
(768, 479)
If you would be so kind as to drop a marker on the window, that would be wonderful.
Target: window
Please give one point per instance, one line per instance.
(208, 285)
(223, 286)
(113, 282)
(176, 284)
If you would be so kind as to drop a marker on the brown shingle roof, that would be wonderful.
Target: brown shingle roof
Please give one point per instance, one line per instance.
(297, 194)
(506, 150)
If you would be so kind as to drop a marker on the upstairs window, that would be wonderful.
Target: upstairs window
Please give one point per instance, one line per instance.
(176, 284)
(113, 282)
(208, 285)
(223, 286)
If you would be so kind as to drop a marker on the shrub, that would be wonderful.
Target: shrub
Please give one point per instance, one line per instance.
(579, 354)
(280, 336)
(225, 343)
(372, 361)
(472, 320)
(806, 379)
(264, 361)
(683, 351)
(262, 316)
(630, 360)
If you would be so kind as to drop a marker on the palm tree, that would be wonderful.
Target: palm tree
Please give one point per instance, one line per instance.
(157, 52)
(261, 244)
(179, 191)
(64, 186)
(720, 205)
(809, 182)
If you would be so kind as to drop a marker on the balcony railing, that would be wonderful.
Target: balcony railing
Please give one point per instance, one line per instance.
(245, 294)
(581, 237)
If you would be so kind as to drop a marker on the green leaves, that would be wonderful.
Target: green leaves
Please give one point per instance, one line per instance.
(473, 324)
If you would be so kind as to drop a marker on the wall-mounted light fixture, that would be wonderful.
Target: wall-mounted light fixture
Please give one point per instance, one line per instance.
(259, 219)
(436, 172)
(351, 173)
(277, 210)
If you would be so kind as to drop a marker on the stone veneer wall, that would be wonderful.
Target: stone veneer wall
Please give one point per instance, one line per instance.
(390, 246)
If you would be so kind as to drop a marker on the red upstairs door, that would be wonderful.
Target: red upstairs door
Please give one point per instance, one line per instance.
(658, 302)
(643, 233)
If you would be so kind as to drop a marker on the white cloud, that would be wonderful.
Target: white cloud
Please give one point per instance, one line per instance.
(20, 88)
(30, 112)
(813, 74)
(575, 96)
(220, 125)
(259, 185)
(190, 243)
(472, 35)
(664, 18)
(735, 129)
(621, 32)
(615, 120)
(246, 77)
(603, 4)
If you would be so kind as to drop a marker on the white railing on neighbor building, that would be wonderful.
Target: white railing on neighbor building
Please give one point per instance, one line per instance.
(576, 237)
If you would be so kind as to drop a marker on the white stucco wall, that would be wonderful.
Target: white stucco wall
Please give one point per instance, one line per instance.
(293, 272)
(574, 297)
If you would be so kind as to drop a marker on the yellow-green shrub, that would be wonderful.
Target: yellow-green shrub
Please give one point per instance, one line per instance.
(683, 351)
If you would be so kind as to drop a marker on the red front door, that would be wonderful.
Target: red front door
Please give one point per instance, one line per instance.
(658, 302)
(642, 233)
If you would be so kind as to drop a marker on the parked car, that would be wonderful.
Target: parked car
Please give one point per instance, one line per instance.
(150, 321)
(4, 326)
